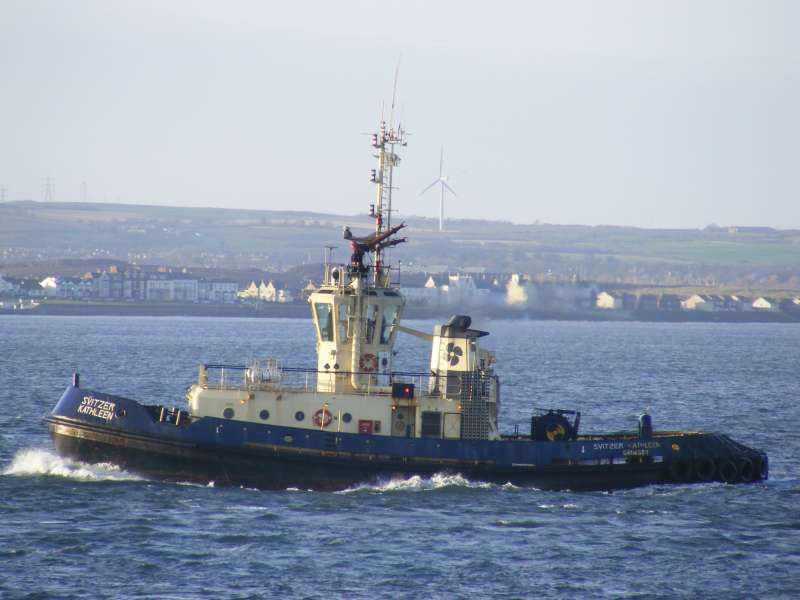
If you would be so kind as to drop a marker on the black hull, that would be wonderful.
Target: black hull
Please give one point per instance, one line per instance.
(267, 468)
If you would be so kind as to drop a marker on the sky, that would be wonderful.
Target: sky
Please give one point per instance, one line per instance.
(648, 114)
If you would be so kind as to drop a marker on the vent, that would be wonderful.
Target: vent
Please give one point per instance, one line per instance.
(474, 409)
(431, 424)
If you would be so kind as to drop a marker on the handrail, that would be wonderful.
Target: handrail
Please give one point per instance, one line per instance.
(391, 374)
(428, 385)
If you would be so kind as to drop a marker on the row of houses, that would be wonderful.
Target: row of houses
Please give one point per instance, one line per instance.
(610, 300)
(150, 286)
(266, 292)
(505, 292)
(131, 285)
(519, 292)
(452, 291)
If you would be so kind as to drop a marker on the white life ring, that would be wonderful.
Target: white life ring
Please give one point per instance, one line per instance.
(322, 418)
(368, 362)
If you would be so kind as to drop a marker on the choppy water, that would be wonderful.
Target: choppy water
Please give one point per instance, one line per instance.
(70, 530)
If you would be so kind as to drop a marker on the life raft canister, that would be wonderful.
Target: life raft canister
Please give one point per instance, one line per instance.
(368, 362)
(322, 418)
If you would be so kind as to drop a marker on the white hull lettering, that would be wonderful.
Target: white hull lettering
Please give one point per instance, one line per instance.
(627, 446)
(94, 407)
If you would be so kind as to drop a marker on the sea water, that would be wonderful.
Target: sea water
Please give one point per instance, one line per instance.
(74, 530)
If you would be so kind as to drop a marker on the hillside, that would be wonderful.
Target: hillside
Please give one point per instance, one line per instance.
(275, 241)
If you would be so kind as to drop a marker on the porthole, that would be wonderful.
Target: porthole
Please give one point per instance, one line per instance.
(228, 413)
(347, 417)
(299, 415)
(264, 414)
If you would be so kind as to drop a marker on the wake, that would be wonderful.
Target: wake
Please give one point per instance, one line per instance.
(417, 483)
(40, 462)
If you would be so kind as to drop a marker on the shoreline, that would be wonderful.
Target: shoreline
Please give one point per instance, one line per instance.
(297, 310)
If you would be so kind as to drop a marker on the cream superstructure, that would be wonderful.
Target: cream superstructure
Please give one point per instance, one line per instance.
(356, 314)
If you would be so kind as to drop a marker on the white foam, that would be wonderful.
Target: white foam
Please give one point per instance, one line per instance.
(416, 483)
(37, 461)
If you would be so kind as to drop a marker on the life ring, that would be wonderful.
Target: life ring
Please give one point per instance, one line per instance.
(728, 471)
(556, 431)
(322, 418)
(747, 470)
(704, 469)
(680, 471)
(368, 362)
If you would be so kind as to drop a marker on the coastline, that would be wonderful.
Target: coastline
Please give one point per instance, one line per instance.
(300, 310)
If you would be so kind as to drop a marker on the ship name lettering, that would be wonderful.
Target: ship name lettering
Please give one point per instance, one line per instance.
(644, 445)
(627, 446)
(95, 407)
(608, 446)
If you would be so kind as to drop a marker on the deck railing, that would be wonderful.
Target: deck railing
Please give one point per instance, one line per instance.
(270, 375)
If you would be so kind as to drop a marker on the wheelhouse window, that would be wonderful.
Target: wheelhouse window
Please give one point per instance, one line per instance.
(325, 321)
(387, 322)
(342, 322)
(372, 315)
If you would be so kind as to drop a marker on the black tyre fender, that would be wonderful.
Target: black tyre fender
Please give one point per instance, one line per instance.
(747, 471)
(704, 468)
(727, 471)
(680, 471)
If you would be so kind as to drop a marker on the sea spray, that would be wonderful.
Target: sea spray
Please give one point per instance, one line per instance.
(38, 461)
(417, 483)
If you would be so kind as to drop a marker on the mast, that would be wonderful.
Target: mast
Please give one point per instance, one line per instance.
(384, 142)
(374, 244)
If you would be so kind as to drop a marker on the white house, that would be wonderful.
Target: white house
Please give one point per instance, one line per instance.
(251, 291)
(51, 286)
(267, 292)
(49, 282)
(699, 302)
(767, 304)
(516, 291)
(609, 300)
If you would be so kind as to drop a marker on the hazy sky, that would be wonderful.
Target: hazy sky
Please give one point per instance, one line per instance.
(655, 114)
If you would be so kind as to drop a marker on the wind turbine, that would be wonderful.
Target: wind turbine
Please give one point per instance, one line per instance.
(442, 181)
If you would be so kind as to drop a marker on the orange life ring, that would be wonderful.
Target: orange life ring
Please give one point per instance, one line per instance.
(368, 362)
(322, 418)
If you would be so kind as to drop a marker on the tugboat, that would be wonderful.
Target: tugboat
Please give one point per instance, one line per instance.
(354, 418)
